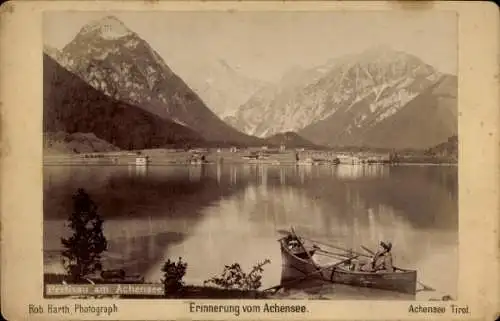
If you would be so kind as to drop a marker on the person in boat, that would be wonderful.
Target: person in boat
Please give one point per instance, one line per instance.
(380, 262)
(292, 242)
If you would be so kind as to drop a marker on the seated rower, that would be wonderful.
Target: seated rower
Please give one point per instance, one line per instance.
(292, 242)
(381, 261)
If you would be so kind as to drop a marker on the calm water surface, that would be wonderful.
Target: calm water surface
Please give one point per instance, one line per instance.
(214, 215)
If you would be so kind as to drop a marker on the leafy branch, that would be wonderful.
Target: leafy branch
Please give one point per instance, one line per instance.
(233, 277)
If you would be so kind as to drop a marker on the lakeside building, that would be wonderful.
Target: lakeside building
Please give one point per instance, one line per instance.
(349, 159)
(141, 160)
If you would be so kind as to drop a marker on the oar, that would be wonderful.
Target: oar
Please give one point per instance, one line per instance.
(367, 250)
(304, 248)
(335, 247)
(281, 231)
(332, 256)
(333, 253)
(342, 255)
(339, 248)
(317, 248)
(277, 287)
(426, 287)
(307, 252)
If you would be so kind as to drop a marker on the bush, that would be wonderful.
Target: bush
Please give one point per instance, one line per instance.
(82, 253)
(173, 272)
(233, 277)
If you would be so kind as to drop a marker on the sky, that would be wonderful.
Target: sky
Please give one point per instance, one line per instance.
(265, 45)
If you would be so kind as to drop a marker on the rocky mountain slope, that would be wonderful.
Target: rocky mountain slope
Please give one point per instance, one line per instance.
(273, 109)
(116, 61)
(222, 87)
(356, 100)
(426, 120)
(72, 106)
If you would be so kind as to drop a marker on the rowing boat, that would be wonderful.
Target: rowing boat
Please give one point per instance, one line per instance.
(298, 263)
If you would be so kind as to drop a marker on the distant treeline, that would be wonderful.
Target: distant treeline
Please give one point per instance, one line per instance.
(445, 149)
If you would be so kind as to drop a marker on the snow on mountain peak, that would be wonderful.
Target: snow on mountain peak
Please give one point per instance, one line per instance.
(365, 87)
(108, 27)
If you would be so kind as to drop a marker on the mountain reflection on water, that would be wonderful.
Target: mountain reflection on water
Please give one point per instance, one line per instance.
(214, 215)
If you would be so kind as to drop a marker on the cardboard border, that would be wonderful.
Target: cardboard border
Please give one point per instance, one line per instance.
(21, 192)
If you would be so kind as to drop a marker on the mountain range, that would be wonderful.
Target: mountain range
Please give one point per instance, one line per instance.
(222, 87)
(115, 61)
(110, 82)
(378, 98)
(73, 106)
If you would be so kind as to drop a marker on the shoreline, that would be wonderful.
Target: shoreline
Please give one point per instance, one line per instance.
(168, 158)
(283, 164)
(190, 291)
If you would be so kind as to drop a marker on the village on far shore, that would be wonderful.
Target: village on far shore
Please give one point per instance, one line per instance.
(250, 155)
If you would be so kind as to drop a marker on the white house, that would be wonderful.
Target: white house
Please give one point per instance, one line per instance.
(141, 160)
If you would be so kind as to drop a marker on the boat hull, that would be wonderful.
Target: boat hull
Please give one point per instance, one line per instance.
(294, 267)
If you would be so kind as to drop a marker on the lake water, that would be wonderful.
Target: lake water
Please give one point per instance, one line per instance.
(215, 215)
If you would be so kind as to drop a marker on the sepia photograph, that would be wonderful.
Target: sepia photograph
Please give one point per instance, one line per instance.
(253, 155)
(249, 160)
